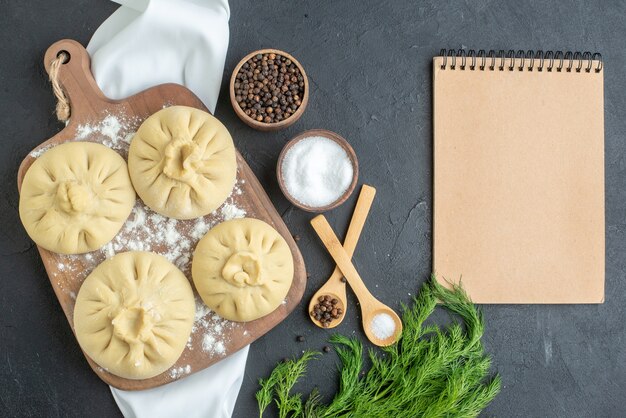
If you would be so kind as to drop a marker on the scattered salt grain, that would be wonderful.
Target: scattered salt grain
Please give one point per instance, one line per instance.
(383, 326)
(317, 171)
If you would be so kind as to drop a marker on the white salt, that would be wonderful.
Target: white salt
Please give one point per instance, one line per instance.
(383, 326)
(317, 171)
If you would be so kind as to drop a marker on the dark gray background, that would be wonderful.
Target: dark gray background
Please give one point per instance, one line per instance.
(369, 66)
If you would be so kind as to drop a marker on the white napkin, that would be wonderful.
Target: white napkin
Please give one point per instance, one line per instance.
(210, 393)
(142, 44)
(150, 42)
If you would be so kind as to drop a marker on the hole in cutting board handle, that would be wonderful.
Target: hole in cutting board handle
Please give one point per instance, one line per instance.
(67, 59)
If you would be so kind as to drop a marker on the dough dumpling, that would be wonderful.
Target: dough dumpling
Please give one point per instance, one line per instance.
(134, 314)
(182, 162)
(242, 269)
(76, 197)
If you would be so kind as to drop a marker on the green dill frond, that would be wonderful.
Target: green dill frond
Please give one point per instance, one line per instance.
(280, 382)
(430, 371)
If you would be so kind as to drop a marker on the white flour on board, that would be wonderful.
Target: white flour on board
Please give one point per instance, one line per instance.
(210, 328)
(39, 151)
(178, 372)
(230, 211)
(114, 131)
(146, 230)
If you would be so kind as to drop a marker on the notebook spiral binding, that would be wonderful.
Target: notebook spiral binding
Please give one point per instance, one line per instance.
(521, 60)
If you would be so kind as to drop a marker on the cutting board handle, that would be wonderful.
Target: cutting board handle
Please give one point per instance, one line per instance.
(75, 75)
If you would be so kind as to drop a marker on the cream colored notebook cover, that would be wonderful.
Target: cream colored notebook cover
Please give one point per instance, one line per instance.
(519, 176)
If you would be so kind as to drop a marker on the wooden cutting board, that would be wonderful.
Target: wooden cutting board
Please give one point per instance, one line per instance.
(213, 338)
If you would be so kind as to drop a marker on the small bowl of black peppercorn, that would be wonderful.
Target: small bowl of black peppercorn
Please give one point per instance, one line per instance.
(269, 90)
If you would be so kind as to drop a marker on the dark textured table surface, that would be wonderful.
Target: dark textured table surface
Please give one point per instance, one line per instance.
(369, 64)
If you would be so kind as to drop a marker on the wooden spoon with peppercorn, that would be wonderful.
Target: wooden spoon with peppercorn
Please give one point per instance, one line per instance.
(328, 305)
(381, 324)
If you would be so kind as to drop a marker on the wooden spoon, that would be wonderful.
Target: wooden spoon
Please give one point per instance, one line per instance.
(370, 306)
(334, 287)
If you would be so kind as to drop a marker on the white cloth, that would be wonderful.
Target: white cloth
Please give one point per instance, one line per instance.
(176, 41)
(210, 393)
(143, 44)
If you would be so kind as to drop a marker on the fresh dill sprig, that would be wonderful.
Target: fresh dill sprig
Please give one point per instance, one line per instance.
(279, 384)
(429, 372)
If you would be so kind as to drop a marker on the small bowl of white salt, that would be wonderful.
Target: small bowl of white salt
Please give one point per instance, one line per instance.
(317, 170)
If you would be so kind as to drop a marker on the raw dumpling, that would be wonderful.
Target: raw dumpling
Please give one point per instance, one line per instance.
(76, 197)
(182, 162)
(134, 314)
(242, 269)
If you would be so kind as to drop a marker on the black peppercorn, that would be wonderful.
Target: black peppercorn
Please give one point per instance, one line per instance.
(326, 310)
(270, 84)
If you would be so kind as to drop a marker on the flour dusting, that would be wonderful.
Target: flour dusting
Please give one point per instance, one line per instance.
(230, 211)
(178, 372)
(114, 131)
(40, 151)
(211, 327)
(146, 230)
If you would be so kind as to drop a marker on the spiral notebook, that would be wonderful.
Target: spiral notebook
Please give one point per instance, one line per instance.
(519, 175)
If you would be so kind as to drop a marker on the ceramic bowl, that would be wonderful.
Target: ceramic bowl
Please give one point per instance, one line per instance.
(264, 126)
(334, 137)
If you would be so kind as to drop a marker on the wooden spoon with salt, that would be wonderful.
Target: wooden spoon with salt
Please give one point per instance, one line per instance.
(334, 287)
(381, 324)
